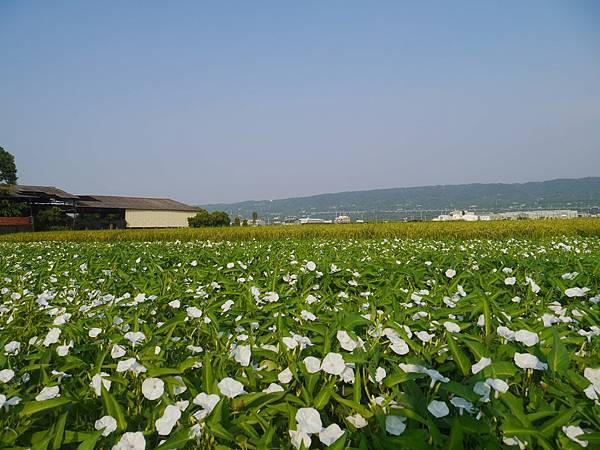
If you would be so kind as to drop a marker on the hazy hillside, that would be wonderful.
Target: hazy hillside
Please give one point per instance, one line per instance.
(428, 201)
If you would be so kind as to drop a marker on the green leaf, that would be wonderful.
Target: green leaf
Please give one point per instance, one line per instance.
(112, 408)
(460, 357)
(548, 428)
(36, 407)
(558, 358)
(59, 431)
(90, 442)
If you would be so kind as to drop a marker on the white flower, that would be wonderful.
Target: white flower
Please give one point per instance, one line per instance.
(193, 312)
(63, 350)
(506, 333)
(206, 401)
(330, 434)
(497, 384)
(242, 354)
(450, 273)
(482, 364)
(131, 441)
(438, 409)
(451, 327)
(424, 336)
(227, 305)
(285, 376)
(482, 389)
(94, 332)
(290, 343)
(399, 346)
(576, 292)
(153, 388)
(346, 342)
(48, 393)
(273, 388)
(307, 315)
(107, 424)
(271, 297)
(308, 420)
(230, 388)
(299, 438)
(12, 348)
(573, 433)
(333, 363)
(174, 304)
(526, 337)
(312, 364)
(165, 424)
(380, 374)
(357, 420)
(528, 361)
(510, 281)
(462, 404)
(135, 337)
(98, 381)
(117, 351)
(6, 375)
(132, 365)
(52, 337)
(311, 266)
(395, 425)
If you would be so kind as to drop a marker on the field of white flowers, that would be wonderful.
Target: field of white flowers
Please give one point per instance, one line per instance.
(384, 344)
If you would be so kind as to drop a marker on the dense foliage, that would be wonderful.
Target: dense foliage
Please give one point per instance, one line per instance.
(388, 343)
(205, 219)
(8, 168)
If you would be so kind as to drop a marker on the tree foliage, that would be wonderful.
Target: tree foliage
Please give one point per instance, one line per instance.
(52, 219)
(205, 219)
(8, 169)
(9, 208)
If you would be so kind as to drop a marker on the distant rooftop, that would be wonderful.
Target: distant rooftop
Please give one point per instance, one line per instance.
(23, 191)
(116, 202)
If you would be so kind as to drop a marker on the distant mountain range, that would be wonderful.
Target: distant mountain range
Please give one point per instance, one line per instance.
(427, 201)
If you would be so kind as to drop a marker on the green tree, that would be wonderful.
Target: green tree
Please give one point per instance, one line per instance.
(245, 223)
(205, 219)
(237, 222)
(52, 219)
(9, 208)
(8, 169)
(254, 217)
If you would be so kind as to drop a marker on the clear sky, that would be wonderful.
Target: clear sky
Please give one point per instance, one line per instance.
(236, 100)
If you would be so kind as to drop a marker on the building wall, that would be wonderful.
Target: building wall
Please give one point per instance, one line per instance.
(136, 218)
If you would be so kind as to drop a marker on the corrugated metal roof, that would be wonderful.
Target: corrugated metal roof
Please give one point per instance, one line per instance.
(20, 190)
(115, 202)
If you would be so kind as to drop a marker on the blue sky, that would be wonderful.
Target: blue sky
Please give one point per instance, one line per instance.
(225, 101)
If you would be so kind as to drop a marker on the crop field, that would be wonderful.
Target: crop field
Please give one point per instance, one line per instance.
(501, 229)
(334, 342)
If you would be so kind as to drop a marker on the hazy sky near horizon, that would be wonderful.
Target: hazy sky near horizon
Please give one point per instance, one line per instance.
(226, 101)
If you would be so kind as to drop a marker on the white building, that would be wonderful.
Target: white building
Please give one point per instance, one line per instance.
(455, 215)
(312, 221)
(342, 219)
(140, 212)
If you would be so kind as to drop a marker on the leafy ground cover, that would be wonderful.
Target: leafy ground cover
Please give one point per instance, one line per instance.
(339, 343)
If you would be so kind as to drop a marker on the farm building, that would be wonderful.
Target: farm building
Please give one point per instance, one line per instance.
(90, 211)
(139, 212)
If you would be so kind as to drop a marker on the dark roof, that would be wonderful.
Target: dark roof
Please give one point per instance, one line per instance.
(19, 190)
(114, 202)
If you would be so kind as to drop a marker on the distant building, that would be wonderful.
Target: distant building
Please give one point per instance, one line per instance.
(312, 221)
(98, 211)
(456, 215)
(342, 219)
(539, 214)
(140, 212)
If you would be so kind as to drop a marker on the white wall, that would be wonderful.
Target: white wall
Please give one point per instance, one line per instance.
(137, 218)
